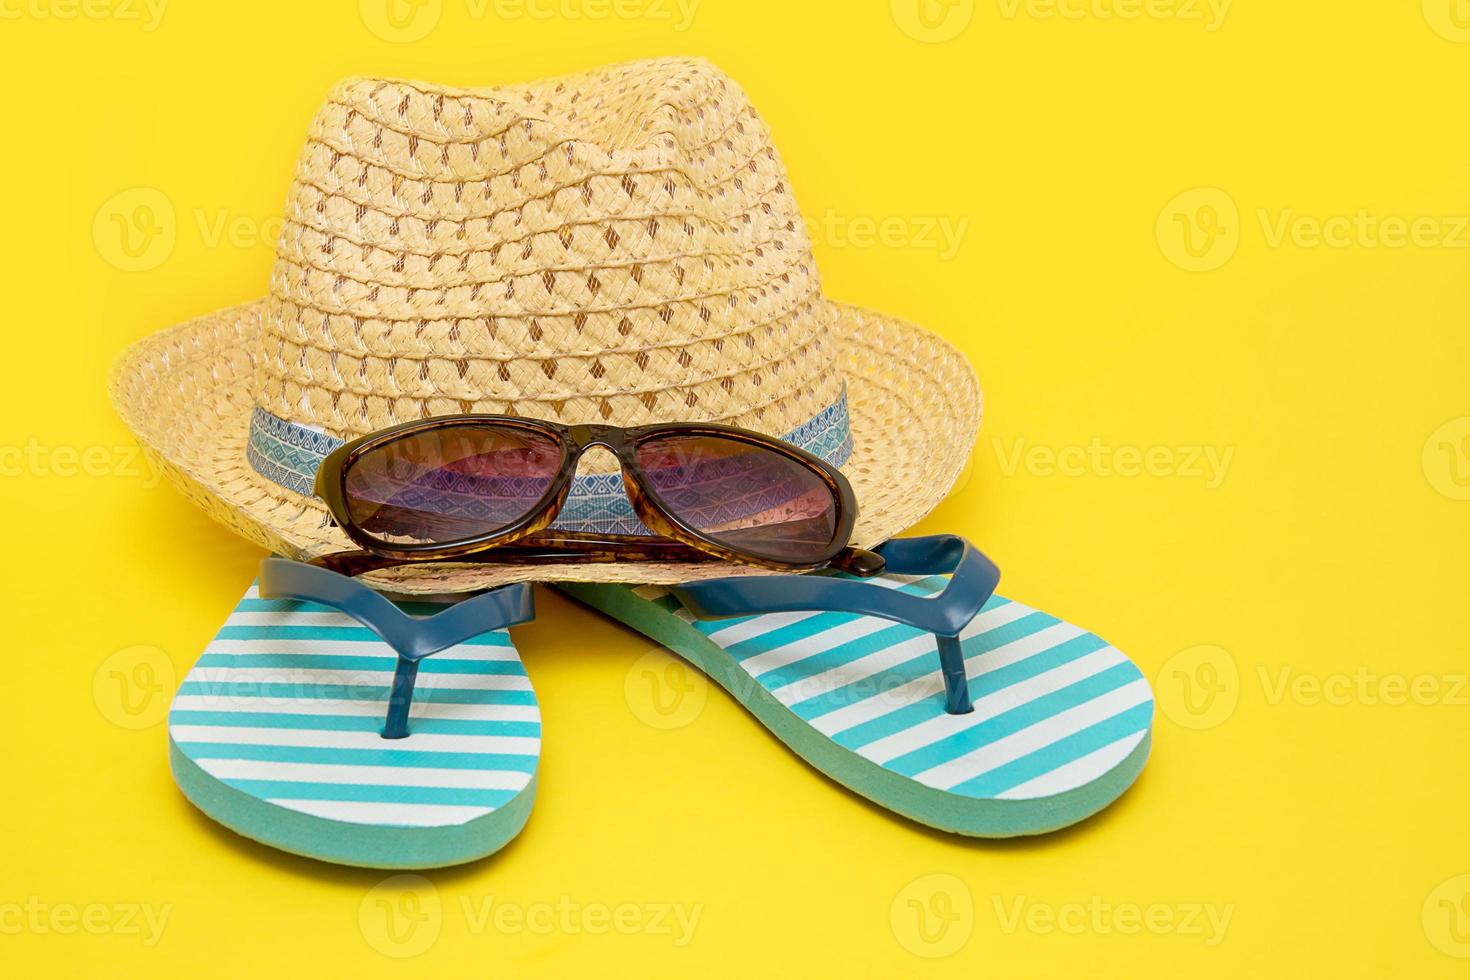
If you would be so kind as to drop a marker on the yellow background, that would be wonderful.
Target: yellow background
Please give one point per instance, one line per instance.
(1068, 151)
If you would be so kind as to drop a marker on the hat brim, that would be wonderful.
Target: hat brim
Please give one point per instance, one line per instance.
(186, 393)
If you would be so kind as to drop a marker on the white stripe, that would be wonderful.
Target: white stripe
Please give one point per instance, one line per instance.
(387, 814)
(845, 631)
(889, 657)
(992, 704)
(368, 646)
(311, 772)
(1078, 772)
(327, 618)
(995, 754)
(311, 738)
(727, 636)
(355, 708)
(932, 683)
(350, 678)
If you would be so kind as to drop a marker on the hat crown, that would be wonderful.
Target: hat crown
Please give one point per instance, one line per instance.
(618, 246)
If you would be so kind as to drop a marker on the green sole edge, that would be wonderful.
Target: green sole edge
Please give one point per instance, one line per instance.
(358, 845)
(933, 807)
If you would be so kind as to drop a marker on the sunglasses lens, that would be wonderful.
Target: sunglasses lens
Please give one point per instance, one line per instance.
(450, 484)
(748, 498)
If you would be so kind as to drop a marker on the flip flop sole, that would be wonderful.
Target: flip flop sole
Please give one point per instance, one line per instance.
(359, 845)
(1061, 726)
(276, 734)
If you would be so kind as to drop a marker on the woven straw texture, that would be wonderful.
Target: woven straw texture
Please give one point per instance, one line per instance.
(620, 246)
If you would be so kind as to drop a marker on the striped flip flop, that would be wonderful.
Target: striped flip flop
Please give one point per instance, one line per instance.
(279, 730)
(919, 689)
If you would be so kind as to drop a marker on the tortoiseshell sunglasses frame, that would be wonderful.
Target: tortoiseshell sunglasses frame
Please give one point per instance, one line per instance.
(521, 542)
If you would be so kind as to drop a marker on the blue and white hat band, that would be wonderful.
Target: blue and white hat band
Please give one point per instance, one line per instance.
(289, 454)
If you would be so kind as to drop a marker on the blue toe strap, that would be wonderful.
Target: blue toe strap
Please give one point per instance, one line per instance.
(412, 637)
(945, 615)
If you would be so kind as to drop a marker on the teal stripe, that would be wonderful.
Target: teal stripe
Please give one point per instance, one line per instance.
(386, 665)
(355, 692)
(496, 638)
(353, 723)
(843, 653)
(916, 667)
(1135, 720)
(1012, 721)
(854, 649)
(809, 627)
(275, 789)
(408, 758)
(906, 717)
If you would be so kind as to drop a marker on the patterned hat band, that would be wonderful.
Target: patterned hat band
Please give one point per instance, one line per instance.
(289, 454)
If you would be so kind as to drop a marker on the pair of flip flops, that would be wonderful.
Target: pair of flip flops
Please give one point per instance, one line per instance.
(325, 720)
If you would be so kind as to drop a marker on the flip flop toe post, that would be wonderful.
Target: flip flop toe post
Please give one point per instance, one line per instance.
(326, 721)
(919, 689)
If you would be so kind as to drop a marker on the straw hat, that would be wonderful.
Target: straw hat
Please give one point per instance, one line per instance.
(618, 246)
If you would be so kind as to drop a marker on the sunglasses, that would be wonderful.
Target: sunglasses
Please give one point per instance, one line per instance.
(488, 488)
